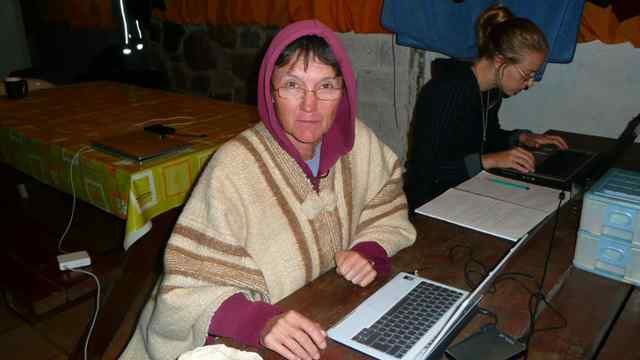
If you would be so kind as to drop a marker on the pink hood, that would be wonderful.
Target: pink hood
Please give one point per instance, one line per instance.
(339, 139)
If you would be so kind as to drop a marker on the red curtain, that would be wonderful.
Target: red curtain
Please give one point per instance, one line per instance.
(341, 15)
(218, 12)
(362, 16)
(81, 13)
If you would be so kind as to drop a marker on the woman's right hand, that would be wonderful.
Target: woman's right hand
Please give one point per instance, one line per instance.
(294, 336)
(516, 158)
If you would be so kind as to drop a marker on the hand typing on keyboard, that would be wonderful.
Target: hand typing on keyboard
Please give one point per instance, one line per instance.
(355, 267)
(537, 140)
(516, 158)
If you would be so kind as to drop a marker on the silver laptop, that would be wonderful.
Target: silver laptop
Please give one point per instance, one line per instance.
(410, 316)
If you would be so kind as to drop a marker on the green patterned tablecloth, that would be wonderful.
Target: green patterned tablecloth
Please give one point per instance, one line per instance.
(44, 133)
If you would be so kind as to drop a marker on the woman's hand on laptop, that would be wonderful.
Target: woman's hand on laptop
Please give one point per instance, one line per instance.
(294, 336)
(516, 158)
(355, 267)
(537, 140)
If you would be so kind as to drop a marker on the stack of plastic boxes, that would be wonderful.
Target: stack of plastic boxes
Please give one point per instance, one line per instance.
(609, 235)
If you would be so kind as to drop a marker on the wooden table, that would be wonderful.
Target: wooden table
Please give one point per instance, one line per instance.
(39, 136)
(603, 316)
(48, 135)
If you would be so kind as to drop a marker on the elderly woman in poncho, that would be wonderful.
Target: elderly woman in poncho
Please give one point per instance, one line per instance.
(308, 189)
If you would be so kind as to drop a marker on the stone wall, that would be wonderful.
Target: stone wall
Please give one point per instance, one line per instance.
(222, 62)
(217, 61)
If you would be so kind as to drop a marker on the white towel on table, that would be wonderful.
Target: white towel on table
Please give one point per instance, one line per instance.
(218, 352)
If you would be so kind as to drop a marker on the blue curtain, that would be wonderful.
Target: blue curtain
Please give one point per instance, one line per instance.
(448, 26)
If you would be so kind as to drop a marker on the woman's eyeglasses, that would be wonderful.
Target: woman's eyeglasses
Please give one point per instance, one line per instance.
(528, 79)
(327, 90)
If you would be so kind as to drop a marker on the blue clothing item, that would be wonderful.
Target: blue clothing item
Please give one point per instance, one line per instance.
(449, 28)
(314, 162)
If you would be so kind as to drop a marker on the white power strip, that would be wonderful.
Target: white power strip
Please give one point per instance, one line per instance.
(74, 260)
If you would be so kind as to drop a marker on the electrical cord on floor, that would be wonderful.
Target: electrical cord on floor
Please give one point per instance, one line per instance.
(95, 313)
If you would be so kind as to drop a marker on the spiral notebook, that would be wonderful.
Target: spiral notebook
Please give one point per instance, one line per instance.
(494, 205)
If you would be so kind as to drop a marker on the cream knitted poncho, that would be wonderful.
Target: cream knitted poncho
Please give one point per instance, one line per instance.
(254, 224)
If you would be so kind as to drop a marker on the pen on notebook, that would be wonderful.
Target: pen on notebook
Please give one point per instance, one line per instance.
(509, 184)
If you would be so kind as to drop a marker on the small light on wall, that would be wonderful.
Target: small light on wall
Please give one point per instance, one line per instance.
(128, 36)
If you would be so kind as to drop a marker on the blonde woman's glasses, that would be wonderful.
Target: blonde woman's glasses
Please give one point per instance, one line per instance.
(330, 89)
(528, 79)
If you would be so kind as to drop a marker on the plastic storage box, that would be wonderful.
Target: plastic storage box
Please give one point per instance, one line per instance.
(609, 235)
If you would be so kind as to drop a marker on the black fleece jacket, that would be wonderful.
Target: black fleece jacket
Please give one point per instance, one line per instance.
(445, 141)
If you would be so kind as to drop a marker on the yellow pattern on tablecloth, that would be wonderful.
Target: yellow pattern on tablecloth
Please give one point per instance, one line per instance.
(41, 134)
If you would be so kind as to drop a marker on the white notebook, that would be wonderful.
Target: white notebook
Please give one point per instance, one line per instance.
(495, 205)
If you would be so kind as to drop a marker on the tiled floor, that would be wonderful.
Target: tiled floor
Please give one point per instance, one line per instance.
(52, 338)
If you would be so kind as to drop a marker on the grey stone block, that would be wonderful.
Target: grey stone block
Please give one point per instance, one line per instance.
(172, 38)
(157, 60)
(368, 50)
(224, 57)
(269, 34)
(375, 85)
(201, 83)
(222, 79)
(245, 64)
(181, 76)
(381, 118)
(197, 51)
(155, 30)
(251, 38)
(224, 35)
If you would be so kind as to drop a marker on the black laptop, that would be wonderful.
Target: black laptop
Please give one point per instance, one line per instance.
(559, 169)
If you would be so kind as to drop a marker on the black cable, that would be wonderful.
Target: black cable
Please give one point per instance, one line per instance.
(509, 274)
(553, 236)
(543, 297)
(533, 294)
(534, 301)
(470, 259)
(489, 313)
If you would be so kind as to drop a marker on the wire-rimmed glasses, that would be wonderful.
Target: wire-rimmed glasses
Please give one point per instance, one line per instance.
(528, 79)
(330, 89)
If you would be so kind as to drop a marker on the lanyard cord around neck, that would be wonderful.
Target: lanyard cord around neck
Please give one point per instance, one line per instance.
(484, 110)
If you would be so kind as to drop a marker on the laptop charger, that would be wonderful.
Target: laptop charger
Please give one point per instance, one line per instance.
(488, 344)
(73, 260)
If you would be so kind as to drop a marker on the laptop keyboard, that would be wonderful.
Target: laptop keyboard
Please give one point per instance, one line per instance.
(562, 163)
(405, 323)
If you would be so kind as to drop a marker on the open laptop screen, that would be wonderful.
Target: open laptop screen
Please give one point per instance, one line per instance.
(608, 158)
